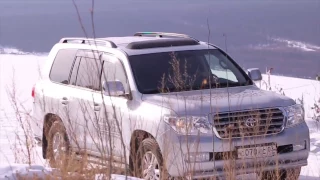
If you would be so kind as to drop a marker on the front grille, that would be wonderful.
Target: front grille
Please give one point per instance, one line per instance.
(248, 123)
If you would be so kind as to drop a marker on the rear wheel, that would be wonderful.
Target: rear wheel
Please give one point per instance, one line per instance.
(58, 146)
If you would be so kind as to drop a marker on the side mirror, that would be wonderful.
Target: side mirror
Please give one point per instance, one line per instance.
(113, 88)
(254, 74)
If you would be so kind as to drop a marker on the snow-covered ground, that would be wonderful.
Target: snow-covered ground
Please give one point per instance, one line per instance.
(310, 90)
(26, 73)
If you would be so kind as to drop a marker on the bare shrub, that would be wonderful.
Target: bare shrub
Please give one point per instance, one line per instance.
(104, 129)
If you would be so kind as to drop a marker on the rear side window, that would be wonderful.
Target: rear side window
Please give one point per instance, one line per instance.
(89, 73)
(73, 78)
(62, 64)
(87, 69)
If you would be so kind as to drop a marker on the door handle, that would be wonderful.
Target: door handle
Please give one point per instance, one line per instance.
(96, 107)
(64, 101)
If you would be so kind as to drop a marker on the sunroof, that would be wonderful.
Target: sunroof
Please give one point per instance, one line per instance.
(162, 43)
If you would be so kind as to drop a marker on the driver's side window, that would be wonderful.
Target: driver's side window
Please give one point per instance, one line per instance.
(113, 70)
(218, 70)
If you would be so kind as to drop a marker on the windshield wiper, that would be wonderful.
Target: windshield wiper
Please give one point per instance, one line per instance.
(168, 90)
(223, 85)
(198, 87)
(151, 91)
(233, 84)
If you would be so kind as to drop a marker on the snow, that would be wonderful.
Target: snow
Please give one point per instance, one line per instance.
(26, 171)
(23, 170)
(12, 139)
(295, 88)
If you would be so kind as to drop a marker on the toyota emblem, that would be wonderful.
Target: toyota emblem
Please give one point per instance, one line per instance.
(251, 122)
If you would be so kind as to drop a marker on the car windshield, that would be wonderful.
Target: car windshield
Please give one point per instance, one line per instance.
(186, 70)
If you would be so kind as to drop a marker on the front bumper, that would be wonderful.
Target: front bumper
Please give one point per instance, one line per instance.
(176, 148)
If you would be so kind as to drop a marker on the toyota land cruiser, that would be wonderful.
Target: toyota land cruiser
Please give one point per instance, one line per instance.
(165, 105)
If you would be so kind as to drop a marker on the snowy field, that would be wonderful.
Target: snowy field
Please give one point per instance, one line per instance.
(27, 71)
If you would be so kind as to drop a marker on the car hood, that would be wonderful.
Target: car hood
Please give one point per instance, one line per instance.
(203, 102)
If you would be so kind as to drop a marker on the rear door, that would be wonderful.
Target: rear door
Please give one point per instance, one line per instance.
(85, 81)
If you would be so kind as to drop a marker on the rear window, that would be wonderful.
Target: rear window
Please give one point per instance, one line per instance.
(62, 64)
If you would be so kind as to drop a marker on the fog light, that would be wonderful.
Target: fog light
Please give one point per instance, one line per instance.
(197, 157)
(299, 146)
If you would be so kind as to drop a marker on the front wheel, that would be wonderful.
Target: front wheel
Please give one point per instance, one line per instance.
(293, 173)
(149, 163)
(287, 174)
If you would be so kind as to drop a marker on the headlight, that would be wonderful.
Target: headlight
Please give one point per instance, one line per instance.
(189, 125)
(295, 115)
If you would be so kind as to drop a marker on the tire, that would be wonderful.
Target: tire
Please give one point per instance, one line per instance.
(293, 173)
(149, 150)
(287, 174)
(58, 156)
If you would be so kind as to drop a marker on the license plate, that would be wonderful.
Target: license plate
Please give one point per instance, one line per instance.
(257, 152)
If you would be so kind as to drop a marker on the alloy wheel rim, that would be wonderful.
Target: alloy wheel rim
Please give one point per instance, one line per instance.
(59, 147)
(150, 166)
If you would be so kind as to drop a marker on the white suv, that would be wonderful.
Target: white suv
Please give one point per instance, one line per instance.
(165, 104)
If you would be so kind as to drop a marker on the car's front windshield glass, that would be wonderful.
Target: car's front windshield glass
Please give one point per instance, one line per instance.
(185, 70)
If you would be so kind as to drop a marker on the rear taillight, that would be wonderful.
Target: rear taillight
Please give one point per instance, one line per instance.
(33, 93)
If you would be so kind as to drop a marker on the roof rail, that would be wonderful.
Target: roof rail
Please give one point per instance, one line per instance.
(161, 34)
(89, 41)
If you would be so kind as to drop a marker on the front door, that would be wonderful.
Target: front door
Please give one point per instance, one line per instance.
(103, 119)
(114, 114)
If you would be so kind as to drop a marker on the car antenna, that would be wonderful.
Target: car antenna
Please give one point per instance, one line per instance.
(211, 113)
(226, 47)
